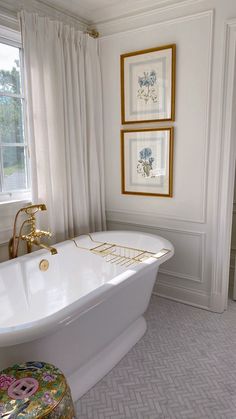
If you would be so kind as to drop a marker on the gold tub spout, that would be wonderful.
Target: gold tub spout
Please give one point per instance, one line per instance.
(36, 242)
(51, 249)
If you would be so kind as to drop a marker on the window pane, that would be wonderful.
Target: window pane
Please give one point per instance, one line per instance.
(11, 120)
(9, 69)
(14, 169)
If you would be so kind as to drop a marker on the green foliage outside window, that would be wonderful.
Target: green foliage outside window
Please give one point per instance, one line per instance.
(11, 117)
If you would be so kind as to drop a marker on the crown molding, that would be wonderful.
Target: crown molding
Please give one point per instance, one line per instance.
(61, 13)
(132, 8)
(138, 18)
(113, 18)
(8, 17)
(10, 8)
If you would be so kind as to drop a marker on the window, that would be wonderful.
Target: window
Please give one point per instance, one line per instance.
(14, 161)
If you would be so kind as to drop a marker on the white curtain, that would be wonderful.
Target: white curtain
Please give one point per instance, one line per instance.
(64, 121)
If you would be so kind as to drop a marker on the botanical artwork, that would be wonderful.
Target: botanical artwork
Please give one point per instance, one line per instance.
(148, 84)
(148, 87)
(147, 160)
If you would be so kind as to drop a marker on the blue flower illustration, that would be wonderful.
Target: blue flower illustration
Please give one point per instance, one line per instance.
(149, 79)
(145, 162)
(148, 87)
(145, 153)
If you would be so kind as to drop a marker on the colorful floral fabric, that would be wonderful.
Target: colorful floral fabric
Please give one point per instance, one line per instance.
(5, 381)
(51, 400)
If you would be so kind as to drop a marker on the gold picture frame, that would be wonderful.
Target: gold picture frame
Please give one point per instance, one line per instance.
(147, 161)
(148, 85)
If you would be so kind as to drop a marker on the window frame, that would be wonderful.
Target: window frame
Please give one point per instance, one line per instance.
(19, 198)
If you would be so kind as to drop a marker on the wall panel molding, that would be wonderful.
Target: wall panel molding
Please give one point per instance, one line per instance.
(139, 216)
(151, 220)
(226, 174)
(201, 215)
(152, 217)
(208, 114)
(161, 230)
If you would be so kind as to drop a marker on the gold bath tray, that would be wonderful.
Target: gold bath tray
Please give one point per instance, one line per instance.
(120, 255)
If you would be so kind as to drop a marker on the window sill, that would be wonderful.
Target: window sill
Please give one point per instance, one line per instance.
(17, 203)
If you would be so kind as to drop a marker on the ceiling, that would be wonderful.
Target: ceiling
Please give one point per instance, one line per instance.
(95, 11)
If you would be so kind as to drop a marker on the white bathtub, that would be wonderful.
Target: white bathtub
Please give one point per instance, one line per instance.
(83, 314)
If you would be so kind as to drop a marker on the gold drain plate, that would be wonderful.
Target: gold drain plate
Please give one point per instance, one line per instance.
(43, 265)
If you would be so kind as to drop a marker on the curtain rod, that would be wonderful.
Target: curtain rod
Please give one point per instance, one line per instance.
(93, 33)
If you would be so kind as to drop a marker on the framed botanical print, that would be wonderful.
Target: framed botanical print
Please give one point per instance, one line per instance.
(147, 161)
(148, 85)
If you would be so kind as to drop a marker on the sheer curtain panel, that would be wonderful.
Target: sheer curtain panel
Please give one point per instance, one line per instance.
(64, 124)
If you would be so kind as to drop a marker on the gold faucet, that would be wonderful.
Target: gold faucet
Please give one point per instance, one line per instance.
(33, 237)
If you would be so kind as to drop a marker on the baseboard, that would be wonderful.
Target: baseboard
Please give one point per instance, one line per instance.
(187, 296)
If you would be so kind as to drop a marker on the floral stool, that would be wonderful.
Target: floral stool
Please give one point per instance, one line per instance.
(34, 390)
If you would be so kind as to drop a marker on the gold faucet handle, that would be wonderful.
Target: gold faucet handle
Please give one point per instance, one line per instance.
(42, 233)
(27, 237)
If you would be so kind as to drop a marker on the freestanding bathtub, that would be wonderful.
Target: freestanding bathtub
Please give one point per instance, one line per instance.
(83, 313)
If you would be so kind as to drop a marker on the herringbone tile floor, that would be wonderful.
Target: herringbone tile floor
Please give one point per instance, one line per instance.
(183, 368)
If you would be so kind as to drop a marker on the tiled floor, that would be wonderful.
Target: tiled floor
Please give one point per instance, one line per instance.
(183, 368)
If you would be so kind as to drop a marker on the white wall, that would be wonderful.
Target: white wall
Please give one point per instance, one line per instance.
(189, 219)
(233, 245)
(233, 242)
